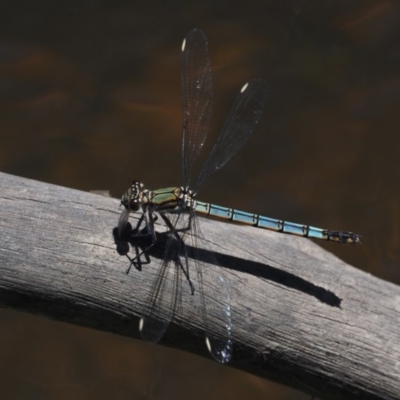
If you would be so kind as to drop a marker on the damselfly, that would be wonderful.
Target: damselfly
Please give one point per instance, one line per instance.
(178, 208)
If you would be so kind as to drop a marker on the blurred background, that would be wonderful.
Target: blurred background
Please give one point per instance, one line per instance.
(90, 99)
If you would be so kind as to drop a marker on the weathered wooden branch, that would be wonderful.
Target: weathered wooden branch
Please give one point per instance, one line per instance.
(301, 316)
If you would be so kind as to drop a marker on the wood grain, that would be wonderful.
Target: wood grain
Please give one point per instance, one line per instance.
(301, 316)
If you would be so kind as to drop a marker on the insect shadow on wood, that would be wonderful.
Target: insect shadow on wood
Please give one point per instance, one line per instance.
(140, 241)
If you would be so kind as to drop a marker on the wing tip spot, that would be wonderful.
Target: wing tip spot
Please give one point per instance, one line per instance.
(208, 344)
(244, 87)
(141, 323)
(183, 45)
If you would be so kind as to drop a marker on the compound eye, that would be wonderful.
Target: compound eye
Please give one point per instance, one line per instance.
(134, 205)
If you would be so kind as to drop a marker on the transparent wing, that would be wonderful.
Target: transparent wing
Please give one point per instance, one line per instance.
(164, 296)
(174, 279)
(240, 124)
(122, 222)
(197, 95)
(214, 295)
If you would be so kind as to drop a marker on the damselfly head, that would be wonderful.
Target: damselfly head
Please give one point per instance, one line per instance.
(132, 198)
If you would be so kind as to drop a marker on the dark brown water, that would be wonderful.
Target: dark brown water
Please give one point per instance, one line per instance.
(90, 98)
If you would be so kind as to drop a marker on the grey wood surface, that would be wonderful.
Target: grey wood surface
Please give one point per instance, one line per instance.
(300, 315)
